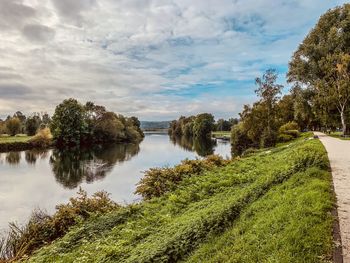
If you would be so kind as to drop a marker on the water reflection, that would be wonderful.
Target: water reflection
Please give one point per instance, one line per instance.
(13, 158)
(31, 156)
(72, 167)
(202, 147)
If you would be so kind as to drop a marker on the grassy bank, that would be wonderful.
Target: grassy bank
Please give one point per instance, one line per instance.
(15, 143)
(274, 206)
(221, 133)
(14, 139)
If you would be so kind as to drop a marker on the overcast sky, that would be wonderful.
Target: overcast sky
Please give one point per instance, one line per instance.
(155, 59)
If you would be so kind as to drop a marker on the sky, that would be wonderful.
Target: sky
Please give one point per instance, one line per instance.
(154, 59)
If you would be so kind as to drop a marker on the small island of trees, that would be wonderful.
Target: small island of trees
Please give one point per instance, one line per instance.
(72, 124)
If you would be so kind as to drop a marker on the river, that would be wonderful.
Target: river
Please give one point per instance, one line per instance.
(43, 179)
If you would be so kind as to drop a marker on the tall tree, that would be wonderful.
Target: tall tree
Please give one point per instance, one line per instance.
(68, 124)
(268, 91)
(322, 61)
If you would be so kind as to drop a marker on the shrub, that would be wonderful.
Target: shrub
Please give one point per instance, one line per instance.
(288, 131)
(42, 139)
(293, 133)
(158, 181)
(284, 138)
(42, 228)
(289, 126)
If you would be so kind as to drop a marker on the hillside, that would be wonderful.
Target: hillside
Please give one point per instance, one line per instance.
(272, 206)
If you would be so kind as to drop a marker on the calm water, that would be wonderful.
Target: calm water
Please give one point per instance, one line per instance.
(43, 179)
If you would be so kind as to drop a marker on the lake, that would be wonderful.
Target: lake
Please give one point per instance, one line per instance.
(42, 179)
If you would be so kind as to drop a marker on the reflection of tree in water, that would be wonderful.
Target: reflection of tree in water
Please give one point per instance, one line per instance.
(73, 166)
(31, 156)
(13, 158)
(202, 146)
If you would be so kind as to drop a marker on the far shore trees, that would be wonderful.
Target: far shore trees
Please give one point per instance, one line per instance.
(199, 126)
(322, 63)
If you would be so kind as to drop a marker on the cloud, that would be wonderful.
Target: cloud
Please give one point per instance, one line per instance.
(10, 91)
(72, 10)
(14, 13)
(156, 59)
(38, 33)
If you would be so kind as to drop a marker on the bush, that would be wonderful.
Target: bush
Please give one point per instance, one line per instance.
(289, 126)
(288, 131)
(158, 181)
(285, 138)
(293, 133)
(43, 228)
(42, 139)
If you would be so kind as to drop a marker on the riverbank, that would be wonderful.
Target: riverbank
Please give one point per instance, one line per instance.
(15, 143)
(272, 206)
(223, 135)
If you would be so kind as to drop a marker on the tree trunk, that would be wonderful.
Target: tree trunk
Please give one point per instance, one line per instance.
(343, 121)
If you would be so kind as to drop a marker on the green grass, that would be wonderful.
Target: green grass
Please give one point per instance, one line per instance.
(221, 133)
(339, 135)
(14, 139)
(274, 206)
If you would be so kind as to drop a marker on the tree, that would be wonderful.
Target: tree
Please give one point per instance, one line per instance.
(45, 119)
(268, 92)
(203, 125)
(13, 126)
(285, 109)
(32, 124)
(68, 124)
(223, 125)
(259, 123)
(109, 128)
(322, 62)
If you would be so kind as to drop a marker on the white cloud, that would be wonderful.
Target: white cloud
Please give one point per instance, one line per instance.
(124, 53)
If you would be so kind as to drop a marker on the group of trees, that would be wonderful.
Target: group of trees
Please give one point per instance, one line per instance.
(321, 66)
(319, 99)
(74, 124)
(19, 123)
(199, 126)
(259, 123)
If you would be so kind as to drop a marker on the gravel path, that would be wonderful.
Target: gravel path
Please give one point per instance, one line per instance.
(339, 156)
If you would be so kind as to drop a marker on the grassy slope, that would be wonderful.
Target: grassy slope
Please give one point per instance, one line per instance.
(270, 207)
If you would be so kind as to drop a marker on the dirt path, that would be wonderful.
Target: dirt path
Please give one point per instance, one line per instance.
(339, 156)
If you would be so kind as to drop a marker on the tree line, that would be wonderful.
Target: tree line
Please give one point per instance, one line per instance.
(19, 123)
(199, 126)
